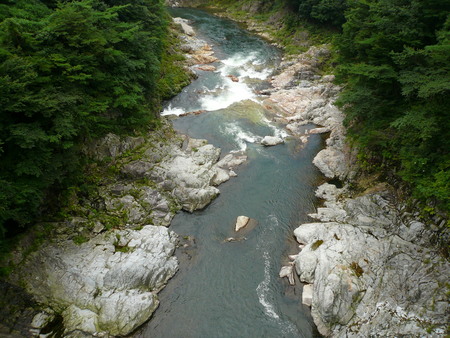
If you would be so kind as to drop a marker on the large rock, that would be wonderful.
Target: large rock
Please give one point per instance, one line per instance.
(307, 294)
(187, 29)
(241, 223)
(332, 163)
(271, 141)
(107, 284)
(368, 281)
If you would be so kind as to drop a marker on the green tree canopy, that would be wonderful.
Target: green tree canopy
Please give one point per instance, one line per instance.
(69, 71)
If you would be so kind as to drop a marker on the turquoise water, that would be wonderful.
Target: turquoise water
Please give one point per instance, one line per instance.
(232, 289)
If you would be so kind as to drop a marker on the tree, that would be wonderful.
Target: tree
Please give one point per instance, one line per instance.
(67, 74)
(394, 59)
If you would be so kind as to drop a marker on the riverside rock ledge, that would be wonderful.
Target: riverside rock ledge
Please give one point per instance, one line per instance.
(372, 270)
(374, 274)
(108, 284)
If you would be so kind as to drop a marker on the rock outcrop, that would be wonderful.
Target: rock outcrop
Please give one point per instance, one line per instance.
(300, 97)
(241, 223)
(198, 52)
(108, 282)
(370, 276)
(370, 271)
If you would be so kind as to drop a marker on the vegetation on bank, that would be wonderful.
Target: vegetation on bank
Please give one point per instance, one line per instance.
(393, 61)
(72, 71)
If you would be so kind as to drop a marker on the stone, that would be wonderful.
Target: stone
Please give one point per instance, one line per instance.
(80, 319)
(288, 271)
(319, 130)
(354, 293)
(231, 160)
(233, 78)
(241, 222)
(187, 29)
(271, 141)
(108, 283)
(332, 163)
(41, 319)
(221, 176)
(307, 294)
(203, 59)
(207, 68)
(121, 312)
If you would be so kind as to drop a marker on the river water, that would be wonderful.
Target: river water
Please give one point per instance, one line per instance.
(232, 289)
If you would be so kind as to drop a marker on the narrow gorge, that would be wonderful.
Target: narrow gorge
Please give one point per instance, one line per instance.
(256, 134)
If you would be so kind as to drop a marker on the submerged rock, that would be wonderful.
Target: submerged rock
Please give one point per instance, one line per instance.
(207, 68)
(233, 78)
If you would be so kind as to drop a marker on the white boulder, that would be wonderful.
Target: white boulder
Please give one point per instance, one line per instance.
(241, 222)
(271, 141)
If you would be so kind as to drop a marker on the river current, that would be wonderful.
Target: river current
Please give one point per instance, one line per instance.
(232, 289)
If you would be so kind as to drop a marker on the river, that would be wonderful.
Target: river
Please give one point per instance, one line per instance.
(232, 289)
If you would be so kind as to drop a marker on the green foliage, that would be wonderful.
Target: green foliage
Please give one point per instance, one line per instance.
(316, 244)
(356, 268)
(323, 11)
(395, 62)
(71, 71)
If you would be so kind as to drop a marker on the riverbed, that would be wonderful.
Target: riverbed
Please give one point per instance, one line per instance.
(232, 289)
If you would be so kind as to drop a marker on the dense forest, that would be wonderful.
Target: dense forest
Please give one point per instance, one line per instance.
(71, 71)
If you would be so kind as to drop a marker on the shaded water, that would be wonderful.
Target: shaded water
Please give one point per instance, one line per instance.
(232, 289)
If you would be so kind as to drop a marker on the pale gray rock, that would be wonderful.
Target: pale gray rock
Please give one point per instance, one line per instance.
(307, 294)
(135, 308)
(332, 163)
(368, 281)
(106, 284)
(221, 176)
(241, 222)
(288, 272)
(80, 319)
(187, 29)
(271, 141)
(41, 319)
(319, 130)
(231, 160)
(193, 173)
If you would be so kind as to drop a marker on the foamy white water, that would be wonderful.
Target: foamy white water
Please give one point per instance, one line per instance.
(263, 289)
(244, 66)
(241, 137)
(277, 131)
(172, 111)
(231, 92)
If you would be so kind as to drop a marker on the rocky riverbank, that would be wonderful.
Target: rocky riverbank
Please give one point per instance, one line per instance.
(98, 272)
(372, 268)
